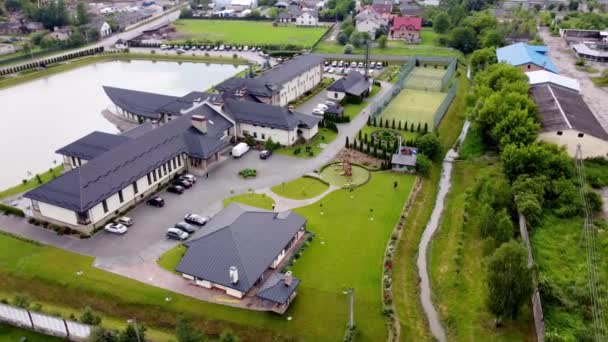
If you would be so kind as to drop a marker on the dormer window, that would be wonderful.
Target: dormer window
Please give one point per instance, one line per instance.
(560, 133)
(580, 135)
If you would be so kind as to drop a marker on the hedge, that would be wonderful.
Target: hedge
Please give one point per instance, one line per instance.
(10, 210)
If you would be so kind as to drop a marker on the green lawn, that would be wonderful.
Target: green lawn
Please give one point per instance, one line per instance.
(353, 109)
(425, 78)
(325, 136)
(414, 106)
(393, 48)
(344, 253)
(171, 258)
(429, 37)
(457, 266)
(562, 265)
(301, 188)
(32, 183)
(10, 333)
(252, 199)
(333, 175)
(248, 32)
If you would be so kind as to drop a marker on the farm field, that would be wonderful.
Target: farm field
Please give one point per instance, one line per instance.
(248, 32)
(318, 314)
(414, 106)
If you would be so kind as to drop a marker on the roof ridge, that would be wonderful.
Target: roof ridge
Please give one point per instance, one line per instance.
(559, 106)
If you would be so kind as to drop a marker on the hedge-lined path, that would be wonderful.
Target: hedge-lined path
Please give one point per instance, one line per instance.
(283, 204)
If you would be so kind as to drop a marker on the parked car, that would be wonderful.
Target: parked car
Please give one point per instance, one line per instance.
(347, 70)
(329, 103)
(341, 63)
(115, 228)
(318, 111)
(176, 234)
(372, 64)
(208, 48)
(185, 227)
(379, 66)
(125, 220)
(239, 150)
(176, 189)
(196, 219)
(326, 69)
(334, 64)
(322, 106)
(190, 178)
(353, 64)
(265, 154)
(183, 183)
(180, 51)
(326, 63)
(164, 47)
(221, 47)
(156, 201)
(215, 48)
(331, 70)
(246, 48)
(360, 65)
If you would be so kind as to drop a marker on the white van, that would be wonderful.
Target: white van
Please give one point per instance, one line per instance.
(239, 150)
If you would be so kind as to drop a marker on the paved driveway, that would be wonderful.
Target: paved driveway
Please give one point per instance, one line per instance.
(145, 240)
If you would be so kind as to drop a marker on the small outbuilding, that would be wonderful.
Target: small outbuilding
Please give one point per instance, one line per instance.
(404, 160)
(353, 85)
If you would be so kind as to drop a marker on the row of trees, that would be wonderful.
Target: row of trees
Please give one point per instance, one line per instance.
(53, 13)
(397, 124)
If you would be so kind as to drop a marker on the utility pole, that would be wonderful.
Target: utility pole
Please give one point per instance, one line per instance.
(134, 322)
(351, 318)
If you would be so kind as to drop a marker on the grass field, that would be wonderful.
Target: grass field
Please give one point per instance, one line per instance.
(171, 258)
(301, 188)
(252, 199)
(9, 333)
(31, 183)
(414, 106)
(319, 313)
(393, 48)
(333, 175)
(457, 266)
(249, 32)
(325, 136)
(425, 79)
(353, 109)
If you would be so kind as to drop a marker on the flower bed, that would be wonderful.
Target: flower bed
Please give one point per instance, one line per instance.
(248, 173)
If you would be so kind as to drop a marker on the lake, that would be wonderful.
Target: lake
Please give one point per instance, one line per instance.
(42, 116)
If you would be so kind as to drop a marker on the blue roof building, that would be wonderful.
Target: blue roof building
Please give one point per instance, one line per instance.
(526, 56)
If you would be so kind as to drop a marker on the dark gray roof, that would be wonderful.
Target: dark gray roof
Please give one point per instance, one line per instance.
(267, 115)
(254, 86)
(335, 110)
(138, 131)
(285, 72)
(562, 109)
(247, 238)
(138, 102)
(406, 156)
(276, 290)
(84, 187)
(92, 145)
(185, 102)
(354, 84)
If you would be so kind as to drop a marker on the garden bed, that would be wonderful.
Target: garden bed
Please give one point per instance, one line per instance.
(334, 175)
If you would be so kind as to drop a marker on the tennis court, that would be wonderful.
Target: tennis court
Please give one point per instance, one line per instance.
(414, 106)
(425, 78)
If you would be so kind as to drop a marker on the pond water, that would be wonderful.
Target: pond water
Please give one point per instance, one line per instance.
(42, 116)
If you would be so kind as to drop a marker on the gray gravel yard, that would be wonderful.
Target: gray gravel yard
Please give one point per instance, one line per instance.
(564, 58)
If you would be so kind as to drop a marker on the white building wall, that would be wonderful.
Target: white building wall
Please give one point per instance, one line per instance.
(57, 213)
(335, 95)
(280, 257)
(308, 133)
(234, 293)
(305, 19)
(264, 133)
(367, 26)
(187, 276)
(590, 145)
(296, 87)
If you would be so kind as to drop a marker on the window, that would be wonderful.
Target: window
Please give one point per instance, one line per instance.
(149, 179)
(135, 189)
(120, 197)
(335, 95)
(73, 161)
(580, 135)
(560, 133)
(255, 134)
(174, 163)
(154, 175)
(529, 66)
(169, 164)
(104, 204)
(165, 168)
(263, 136)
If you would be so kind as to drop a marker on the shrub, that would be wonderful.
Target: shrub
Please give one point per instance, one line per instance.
(10, 210)
(247, 173)
(21, 301)
(348, 49)
(89, 317)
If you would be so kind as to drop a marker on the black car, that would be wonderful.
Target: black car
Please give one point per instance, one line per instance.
(188, 228)
(156, 201)
(183, 183)
(176, 189)
(265, 154)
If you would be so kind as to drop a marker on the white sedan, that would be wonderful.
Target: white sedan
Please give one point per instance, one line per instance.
(115, 228)
(322, 106)
(318, 111)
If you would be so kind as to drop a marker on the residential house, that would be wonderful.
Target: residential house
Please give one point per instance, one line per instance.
(301, 17)
(383, 9)
(62, 33)
(597, 52)
(279, 85)
(240, 252)
(410, 9)
(369, 21)
(527, 57)
(103, 28)
(407, 29)
(308, 18)
(241, 5)
(20, 27)
(404, 160)
(121, 44)
(354, 85)
(566, 120)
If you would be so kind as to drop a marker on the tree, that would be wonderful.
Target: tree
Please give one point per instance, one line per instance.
(358, 39)
(347, 144)
(273, 13)
(342, 38)
(133, 333)
(482, 58)
(463, 39)
(441, 23)
(82, 15)
(99, 334)
(573, 5)
(228, 336)
(492, 39)
(509, 280)
(504, 227)
(89, 317)
(255, 14)
(382, 41)
(271, 144)
(348, 49)
(185, 13)
(423, 165)
(517, 127)
(536, 159)
(185, 332)
(429, 145)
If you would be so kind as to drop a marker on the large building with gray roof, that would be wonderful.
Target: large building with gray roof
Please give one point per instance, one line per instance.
(240, 251)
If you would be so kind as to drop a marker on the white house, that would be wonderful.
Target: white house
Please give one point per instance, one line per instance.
(369, 21)
(105, 30)
(308, 18)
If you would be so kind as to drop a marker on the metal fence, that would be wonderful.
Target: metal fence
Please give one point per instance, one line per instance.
(45, 324)
(447, 77)
(537, 308)
(443, 107)
(50, 60)
(379, 103)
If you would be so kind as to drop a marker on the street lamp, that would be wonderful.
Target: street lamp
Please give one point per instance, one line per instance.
(134, 322)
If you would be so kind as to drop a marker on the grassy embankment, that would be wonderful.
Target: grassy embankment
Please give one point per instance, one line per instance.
(31, 183)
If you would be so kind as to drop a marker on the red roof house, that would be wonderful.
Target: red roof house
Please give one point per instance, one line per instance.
(406, 28)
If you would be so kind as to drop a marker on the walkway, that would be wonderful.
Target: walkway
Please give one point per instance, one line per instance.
(283, 204)
(425, 284)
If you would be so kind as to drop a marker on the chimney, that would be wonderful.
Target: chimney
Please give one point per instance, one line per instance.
(234, 275)
(199, 122)
(288, 278)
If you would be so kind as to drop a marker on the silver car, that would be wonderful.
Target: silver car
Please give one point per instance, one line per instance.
(196, 219)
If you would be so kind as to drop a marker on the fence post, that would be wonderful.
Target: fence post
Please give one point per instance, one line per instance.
(31, 320)
(67, 330)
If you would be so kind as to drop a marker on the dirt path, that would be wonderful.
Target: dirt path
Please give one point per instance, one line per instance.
(564, 58)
